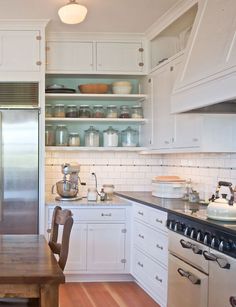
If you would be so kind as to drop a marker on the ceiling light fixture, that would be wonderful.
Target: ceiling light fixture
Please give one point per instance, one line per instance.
(72, 13)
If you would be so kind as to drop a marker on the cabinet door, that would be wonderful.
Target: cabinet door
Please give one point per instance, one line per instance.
(69, 56)
(105, 248)
(76, 261)
(20, 51)
(213, 47)
(119, 57)
(187, 131)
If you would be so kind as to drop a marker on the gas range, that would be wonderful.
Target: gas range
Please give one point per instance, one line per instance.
(193, 223)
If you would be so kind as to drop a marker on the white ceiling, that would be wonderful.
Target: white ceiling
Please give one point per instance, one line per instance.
(121, 16)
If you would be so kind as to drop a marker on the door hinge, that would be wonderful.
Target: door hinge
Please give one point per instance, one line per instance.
(124, 230)
(38, 37)
(123, 261)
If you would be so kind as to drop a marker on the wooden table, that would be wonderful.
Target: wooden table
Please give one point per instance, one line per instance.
(28, 269)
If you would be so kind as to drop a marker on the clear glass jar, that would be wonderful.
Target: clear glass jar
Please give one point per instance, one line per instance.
(61, 135)
(59, 110)
(49, 135)
(48, 110)
(109, 191)
(84, 111)
(137, 112)
(124, 112)
(74, 139)
(110, 137)
(129, 137)
(112, 111)
(71, 111)
(91, 137)
(98, 111)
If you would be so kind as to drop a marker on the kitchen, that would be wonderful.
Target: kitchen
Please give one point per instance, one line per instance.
(196, 145)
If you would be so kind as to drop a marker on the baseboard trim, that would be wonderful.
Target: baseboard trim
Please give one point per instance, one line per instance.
(98, 277)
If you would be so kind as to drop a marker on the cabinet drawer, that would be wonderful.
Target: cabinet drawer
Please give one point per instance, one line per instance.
(152, 275)
(157, 218)
(152, 242)
(140, 212)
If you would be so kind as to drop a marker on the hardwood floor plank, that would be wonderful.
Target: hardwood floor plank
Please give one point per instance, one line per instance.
(104, 294)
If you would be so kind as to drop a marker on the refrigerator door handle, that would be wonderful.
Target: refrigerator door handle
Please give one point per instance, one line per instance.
(1, 170)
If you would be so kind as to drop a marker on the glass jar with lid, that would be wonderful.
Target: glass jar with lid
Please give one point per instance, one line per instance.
(59, 110)
(112, 111)
(84, 111)
(49, 135)
(98, 111)
(124, 112)
(137, 112)
(48, 110)
(129, 137)
(110, 137)
(91, 137)
(71, 111)
(74, 139)
(61, 135)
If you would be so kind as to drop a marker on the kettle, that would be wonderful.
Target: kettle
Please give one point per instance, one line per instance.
(221, 208)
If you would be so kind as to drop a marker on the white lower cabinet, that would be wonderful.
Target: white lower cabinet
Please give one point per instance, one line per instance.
(98, 241)
(150, 251)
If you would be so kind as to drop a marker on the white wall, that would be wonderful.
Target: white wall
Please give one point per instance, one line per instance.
(134, 172)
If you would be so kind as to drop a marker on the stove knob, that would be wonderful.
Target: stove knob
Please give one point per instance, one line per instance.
(207, 238)
(169, 224)
(178, 227)
(225, 246)
(199, 236)
(193, 233)
(215, 242)
(187, 231)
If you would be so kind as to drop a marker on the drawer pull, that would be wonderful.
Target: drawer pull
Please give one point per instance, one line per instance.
(140, 212)
(159, 246)
(141, 236)
(158, 279)
(194, 280)
(140, 264)
(159, 221)
(232, 301)
(106, 214)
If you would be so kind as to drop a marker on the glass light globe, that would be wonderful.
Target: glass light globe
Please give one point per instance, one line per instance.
(72, 13)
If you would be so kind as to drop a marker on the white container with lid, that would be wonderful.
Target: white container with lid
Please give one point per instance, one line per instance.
(168, 187)
(110, 137)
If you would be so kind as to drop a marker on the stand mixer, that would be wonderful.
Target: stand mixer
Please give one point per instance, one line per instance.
(67, 188)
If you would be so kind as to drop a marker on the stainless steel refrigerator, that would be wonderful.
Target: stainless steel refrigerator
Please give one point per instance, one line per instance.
(19, 170)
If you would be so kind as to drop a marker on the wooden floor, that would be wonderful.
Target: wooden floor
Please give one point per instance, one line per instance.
(113, 294)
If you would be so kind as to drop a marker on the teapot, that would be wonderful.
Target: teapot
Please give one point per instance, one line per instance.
(221, 208)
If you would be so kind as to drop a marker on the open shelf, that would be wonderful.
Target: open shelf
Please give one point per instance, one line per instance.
(81, 148)
(97, 120)
(109, 97)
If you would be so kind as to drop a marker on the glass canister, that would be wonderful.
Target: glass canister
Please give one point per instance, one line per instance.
(137, 112)
(91, 137)
(129, 137)
(49, 135)
(84, 111)
(98, 111)
(71, 111)
(74, 139)
(48, 110)
(112, 111)
(61, 135)
(110, 137)
(59, 110)
(124, 112)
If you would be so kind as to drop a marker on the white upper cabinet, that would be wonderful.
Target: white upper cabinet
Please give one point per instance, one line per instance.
(208, 72)
(20, 51)
(69, 56)
(120, 57)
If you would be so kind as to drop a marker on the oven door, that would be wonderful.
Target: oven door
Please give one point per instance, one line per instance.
(186, 285)
(222, 284)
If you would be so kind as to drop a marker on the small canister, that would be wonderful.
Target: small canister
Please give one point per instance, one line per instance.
(84, 111)
(59, 110)
(110, 137)
(112, 111)
(74, 139)
(98, 111)
(91, 137)
(137, 112)
(61, 135)
(109, 191)
(48, 110)
(49, 135)
(71, 111)
(129, 137)
(124, 112)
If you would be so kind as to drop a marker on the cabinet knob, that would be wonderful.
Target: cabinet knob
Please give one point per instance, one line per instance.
(39, 63)
(141, 64)
(38, 37)
(195, 139)
(47, 48)
(140, 49)
(167, 142)
(171, 68)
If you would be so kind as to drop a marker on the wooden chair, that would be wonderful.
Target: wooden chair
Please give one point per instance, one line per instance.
(60, 217)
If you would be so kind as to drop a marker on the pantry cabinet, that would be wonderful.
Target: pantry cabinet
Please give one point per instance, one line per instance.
(208, 72)
(150, 251)
(69, 56)
(99, 240)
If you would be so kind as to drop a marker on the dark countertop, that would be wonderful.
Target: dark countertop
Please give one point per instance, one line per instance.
(193, 211)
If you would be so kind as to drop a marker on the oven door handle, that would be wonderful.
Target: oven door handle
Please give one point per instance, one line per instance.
(189, 245)
(232, 301)
(223, 264)
(194, 280)
(185, 244)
